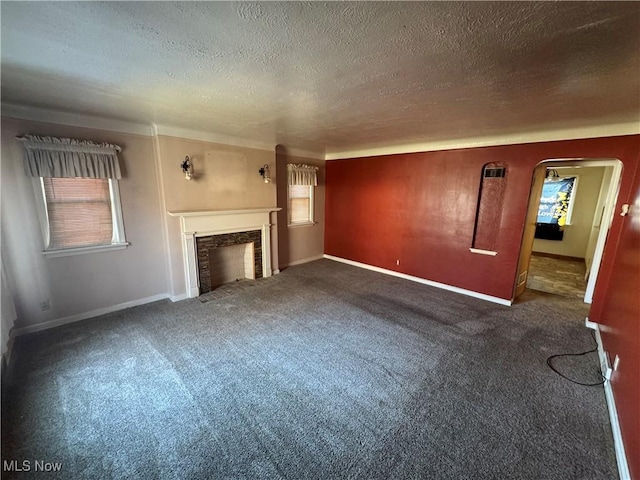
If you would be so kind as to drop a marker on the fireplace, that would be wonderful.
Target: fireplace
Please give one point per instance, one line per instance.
(205, 235)
(228, 257)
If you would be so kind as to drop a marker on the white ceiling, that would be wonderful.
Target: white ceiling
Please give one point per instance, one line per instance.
(334, 76)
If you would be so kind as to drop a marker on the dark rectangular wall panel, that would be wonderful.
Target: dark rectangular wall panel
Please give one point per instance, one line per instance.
(490, 203)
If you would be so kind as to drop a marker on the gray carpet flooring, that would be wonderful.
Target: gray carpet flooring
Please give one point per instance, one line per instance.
(324, 371)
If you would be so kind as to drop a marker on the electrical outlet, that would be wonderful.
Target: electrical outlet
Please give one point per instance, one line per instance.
(45, 305)
(616, 362)
(397, 262)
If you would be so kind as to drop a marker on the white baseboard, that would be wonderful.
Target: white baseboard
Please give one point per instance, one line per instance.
(305, 260)
(85, 315)
(443, 286)
(177, 298)
(621, 458)
(590, 324)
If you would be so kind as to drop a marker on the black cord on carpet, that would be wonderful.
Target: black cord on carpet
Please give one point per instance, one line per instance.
(593, 335)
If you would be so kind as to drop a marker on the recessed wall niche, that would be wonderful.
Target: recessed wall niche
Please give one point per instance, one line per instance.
(489, 211)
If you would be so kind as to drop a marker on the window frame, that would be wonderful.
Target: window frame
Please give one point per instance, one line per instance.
(311, 220)
(118, 239)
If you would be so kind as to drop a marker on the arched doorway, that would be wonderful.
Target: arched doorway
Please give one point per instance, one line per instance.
(602, 216)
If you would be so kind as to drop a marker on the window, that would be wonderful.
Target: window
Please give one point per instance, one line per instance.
(301, 180)
(300, 204)
(78, 212)
(77, 182)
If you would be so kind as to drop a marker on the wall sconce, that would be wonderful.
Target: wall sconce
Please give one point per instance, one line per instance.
(552, 174)
(187, 168)
(265, 174)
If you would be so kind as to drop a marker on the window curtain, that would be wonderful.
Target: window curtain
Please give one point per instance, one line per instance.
(69, 158)
(302, 174)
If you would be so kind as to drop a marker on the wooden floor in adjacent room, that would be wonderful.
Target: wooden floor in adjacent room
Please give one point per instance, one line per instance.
(558, 275)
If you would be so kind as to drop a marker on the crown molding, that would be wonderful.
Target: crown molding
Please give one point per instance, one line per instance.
(296, 152)
(179, 132)
(90, 121)
(57, 117)
(613, 130)
(36, 114)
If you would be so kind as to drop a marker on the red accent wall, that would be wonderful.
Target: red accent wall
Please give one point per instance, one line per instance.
(420, 209)
(621, 327)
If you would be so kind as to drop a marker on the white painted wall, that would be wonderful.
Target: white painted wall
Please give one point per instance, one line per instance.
(81, 284)
(576, 235)
(598, 217)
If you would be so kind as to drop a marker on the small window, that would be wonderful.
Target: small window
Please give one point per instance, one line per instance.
(81, 214)
(301, 180)
(300, 204)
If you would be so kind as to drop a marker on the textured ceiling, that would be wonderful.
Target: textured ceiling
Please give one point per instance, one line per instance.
(318, 75)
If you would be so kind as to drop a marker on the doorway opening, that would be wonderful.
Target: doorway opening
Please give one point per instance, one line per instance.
(561, 251)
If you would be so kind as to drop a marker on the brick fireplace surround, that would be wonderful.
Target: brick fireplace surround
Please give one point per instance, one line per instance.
(205, 229)
(205, 244)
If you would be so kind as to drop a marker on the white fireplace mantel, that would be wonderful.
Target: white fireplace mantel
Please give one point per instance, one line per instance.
(202, 223)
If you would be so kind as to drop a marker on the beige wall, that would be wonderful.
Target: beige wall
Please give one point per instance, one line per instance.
(226, 178)
(576, 235)
(79, 284)
(7, 309)
(303, 243)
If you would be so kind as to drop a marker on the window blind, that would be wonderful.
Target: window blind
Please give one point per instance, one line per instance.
(79, 211)
(299, 203)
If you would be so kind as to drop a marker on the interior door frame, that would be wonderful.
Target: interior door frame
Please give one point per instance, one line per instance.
(607, 217)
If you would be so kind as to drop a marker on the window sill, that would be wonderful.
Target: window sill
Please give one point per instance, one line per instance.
(306, 224)
(67, 252)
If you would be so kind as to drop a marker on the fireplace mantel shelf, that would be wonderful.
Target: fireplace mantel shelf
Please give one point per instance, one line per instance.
(202, 213)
